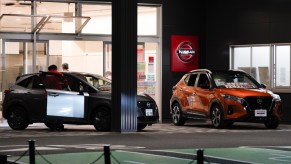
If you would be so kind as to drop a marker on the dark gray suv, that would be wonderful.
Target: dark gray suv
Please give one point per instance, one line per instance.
(67, 98)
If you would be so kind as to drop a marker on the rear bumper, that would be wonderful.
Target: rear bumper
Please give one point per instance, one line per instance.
(147, 119)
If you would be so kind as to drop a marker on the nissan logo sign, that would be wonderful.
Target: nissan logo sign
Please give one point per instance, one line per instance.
(260, 101)
(185, 51)
(148, 104)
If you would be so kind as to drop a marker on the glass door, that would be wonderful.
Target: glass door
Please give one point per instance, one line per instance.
(147, 69)
(18, 59)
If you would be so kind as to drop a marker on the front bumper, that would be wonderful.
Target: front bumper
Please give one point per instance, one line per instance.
(248, 110)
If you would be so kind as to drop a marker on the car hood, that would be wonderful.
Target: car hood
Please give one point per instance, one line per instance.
(243, 92)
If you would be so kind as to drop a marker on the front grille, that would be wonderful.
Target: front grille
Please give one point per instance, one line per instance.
(259, 103)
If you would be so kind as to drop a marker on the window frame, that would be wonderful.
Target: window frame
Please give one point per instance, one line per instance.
(272, 64)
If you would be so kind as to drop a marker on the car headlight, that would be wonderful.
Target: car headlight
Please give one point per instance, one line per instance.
(275, 96)
(233, 98)
(237, 99)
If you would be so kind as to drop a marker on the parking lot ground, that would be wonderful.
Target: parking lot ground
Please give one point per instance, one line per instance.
(239, 155)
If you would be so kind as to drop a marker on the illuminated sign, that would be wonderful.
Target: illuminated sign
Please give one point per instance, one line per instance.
(184, 53)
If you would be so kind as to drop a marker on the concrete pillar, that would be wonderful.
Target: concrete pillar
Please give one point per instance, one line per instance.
(124, 65)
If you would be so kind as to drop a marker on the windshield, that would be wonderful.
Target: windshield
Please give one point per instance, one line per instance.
(234, 79)
(100, 83)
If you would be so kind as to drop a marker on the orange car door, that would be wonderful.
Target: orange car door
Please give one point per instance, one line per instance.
(187, 93)
(204, 94)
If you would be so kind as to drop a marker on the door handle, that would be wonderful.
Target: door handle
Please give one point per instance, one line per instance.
(54, 94)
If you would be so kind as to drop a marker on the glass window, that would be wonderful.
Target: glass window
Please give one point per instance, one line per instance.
(255, 60)
(261, 63)
(282, 66)
(24, 83)
(242, 58)
(36, 83)
(268, 64)
(190, 80)
(100, 22)
(203, 81)
(57, 9)
(147, 20)
(15, 7)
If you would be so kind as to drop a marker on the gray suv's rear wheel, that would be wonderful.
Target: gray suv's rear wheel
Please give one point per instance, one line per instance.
(17, 118)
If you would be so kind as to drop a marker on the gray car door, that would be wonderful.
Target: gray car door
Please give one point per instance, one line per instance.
(61, 100)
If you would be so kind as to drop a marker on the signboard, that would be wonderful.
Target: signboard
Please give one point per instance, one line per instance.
(184, 53)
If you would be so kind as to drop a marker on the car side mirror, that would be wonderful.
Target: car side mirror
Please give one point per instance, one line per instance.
(264, 86)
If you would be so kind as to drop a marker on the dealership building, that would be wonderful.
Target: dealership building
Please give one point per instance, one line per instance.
(168, 38)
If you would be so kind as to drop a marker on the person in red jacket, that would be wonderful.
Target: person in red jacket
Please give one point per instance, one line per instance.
(54, 81)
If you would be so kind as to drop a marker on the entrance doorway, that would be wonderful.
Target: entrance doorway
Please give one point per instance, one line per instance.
(147, 68)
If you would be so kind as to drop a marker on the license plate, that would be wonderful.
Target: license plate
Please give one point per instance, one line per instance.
(260, 113)
(149, 112)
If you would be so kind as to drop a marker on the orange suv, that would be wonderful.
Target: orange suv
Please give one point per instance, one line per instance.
(225, 97)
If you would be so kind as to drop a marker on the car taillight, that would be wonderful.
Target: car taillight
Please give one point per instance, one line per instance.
(7, 91)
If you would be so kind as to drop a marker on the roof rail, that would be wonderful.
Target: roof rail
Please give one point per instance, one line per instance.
(201, 70)
(238, 70)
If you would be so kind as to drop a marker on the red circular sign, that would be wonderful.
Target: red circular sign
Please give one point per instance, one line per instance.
(185, 51)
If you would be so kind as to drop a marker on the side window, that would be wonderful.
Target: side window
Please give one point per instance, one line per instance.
(36, 84)
(25, 83)
(191, 80)
(73, 84)
(104, 85)
(203, 81)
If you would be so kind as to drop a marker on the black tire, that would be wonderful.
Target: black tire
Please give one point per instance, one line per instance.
(101, 119)
(140, 127)
(217, 118)
(55, 125)
(17, 118)
(177, 115)
(272, 122)
(50, 125)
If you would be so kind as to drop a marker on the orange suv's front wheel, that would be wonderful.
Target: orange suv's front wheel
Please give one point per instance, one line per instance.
(177, 115)
(217, 118)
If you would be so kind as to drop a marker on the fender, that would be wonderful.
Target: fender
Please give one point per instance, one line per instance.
(214, 101)
(174, 99)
